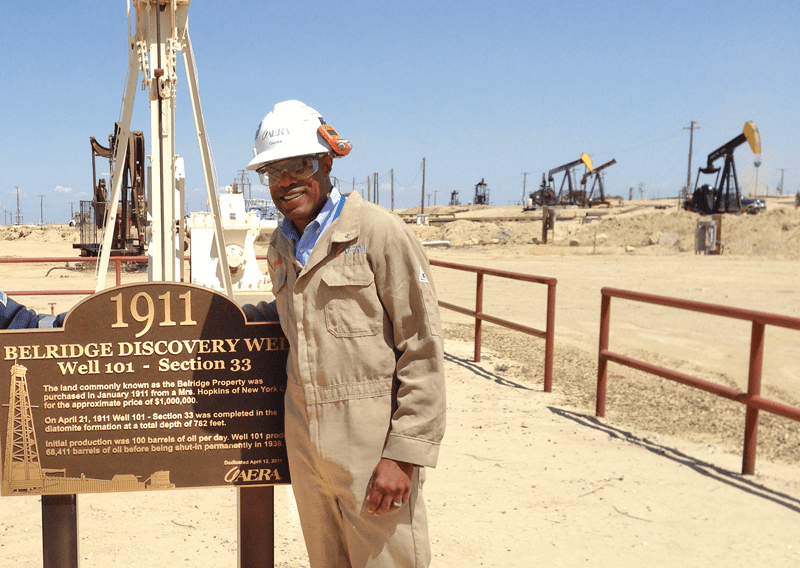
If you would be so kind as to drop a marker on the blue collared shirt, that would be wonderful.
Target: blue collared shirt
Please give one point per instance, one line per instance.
(305, 243)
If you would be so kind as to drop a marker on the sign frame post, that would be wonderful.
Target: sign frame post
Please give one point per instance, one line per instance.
(60, 531)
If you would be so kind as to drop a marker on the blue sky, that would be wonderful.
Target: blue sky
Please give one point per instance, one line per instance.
(481, 90)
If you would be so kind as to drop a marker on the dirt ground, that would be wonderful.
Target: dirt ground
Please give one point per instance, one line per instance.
(527, 477)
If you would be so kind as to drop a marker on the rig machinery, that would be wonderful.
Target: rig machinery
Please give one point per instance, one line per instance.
(130, 234)
(481, 193)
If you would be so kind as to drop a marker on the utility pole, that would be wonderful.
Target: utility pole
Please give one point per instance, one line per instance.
(691, 128)
(780, 187)
(524, 179)
(391, 172)
(435, 191)
(422, 201)
(41, 209)
(19, 215)
(244, 181)
(369, 197)
(377, 193)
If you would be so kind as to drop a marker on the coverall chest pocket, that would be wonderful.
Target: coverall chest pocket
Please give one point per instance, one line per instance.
(352, 306)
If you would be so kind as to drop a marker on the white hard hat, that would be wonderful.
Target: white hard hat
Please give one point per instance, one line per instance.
(291, 129)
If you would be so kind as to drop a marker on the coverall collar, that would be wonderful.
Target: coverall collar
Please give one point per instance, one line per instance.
(345, 228)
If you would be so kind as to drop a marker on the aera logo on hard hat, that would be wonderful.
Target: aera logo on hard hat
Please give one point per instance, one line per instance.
(274, 133)
(291, 129)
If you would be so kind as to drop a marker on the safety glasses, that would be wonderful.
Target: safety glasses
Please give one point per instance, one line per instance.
(300, 167)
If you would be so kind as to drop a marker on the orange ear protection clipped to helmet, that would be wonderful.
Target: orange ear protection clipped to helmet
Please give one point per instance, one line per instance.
(339, 146)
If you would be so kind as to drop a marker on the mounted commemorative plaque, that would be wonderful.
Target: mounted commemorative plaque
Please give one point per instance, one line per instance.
(146, 387)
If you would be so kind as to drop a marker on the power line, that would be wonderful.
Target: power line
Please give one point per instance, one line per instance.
(637, 146)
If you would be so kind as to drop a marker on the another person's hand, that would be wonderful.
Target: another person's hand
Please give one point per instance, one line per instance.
(389, 487)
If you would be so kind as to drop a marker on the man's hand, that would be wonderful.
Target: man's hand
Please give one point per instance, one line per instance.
(389, 487)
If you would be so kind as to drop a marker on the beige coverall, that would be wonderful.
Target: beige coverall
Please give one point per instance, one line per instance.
(365, 381)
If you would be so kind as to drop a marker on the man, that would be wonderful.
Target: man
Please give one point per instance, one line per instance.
(17, 316)
(365, 400)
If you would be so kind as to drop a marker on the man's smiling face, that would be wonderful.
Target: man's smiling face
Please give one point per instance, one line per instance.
(300, 201)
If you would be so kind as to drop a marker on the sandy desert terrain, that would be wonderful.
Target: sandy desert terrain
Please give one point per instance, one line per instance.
(528, 477)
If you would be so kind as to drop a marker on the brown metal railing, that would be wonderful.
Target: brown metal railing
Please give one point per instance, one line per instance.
(752, 398)
(548, 334)
(117, 260)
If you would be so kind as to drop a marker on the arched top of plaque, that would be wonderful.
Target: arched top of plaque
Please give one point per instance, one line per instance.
(156, 310)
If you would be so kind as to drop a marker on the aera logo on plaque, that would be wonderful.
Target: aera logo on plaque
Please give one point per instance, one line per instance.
(146, 387)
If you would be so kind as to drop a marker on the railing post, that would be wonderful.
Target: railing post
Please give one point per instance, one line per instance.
(602, 362)
(478, 314)
(119, 272)
(549, 339)
(753, 390)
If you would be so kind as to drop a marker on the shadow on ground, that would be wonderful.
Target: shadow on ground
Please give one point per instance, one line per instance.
(704, 468)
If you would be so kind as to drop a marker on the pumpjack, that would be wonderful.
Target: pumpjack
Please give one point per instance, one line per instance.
(545, 195)
(724, 195)
(598, 182)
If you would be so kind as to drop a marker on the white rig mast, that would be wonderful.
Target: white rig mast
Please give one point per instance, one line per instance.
(161, 31)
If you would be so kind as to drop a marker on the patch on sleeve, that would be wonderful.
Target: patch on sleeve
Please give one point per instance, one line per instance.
(422, 277)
